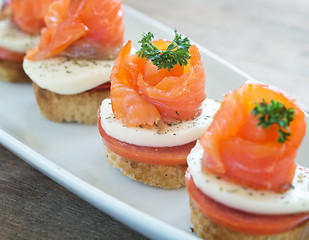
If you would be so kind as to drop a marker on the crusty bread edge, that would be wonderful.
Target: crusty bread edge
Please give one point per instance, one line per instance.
(168, 177)
(81, 107)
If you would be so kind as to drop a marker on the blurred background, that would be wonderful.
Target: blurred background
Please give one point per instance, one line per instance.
(268, 40)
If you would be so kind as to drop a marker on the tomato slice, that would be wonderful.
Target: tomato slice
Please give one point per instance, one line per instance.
(103, 86)
(150, 155)
(6, 54)
(242, 221)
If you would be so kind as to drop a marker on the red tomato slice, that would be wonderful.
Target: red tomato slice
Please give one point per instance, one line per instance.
(103, 86)
(6, 54)
(150, 155)
(242, 221)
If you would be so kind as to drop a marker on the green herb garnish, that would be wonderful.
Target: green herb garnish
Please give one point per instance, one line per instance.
(274, 113)
(176, 53)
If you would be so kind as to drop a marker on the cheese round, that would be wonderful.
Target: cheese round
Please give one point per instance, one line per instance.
(235, 196)
(65, 75)
(173, 135)
(13, 39)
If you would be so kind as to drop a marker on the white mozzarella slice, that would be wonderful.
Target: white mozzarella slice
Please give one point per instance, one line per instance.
(15, 40)
(235, 196)
(174, 135)
(65, 75)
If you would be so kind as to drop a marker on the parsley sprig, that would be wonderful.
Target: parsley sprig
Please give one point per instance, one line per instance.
(176, 53)
(274, 113)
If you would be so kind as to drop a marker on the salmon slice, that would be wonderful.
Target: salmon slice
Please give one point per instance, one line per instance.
(142, 95)
(81, 28)
(236, 148)
(28, 15)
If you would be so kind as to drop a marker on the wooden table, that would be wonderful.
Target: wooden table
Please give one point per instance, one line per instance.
(267, 39)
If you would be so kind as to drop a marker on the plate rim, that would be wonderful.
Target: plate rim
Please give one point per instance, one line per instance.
(135, 218)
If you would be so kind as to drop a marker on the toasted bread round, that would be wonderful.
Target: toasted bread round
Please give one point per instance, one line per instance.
(155, 175)
(12, 72)
(81, 107)
(209, 230)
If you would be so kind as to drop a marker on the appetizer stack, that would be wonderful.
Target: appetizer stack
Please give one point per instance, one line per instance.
(70, 67)
(242, 178)
(236, 158)
(20, 25)
(157, 110)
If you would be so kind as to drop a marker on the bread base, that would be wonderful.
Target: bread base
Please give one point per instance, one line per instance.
(81, 107)
(13, 72)
(209, 230)
(155, 175)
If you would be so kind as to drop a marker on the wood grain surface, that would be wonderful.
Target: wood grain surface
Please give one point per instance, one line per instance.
(267, 39)
(32, 206)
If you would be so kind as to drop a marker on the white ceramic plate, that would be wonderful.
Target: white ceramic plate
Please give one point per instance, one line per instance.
(73, 155)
